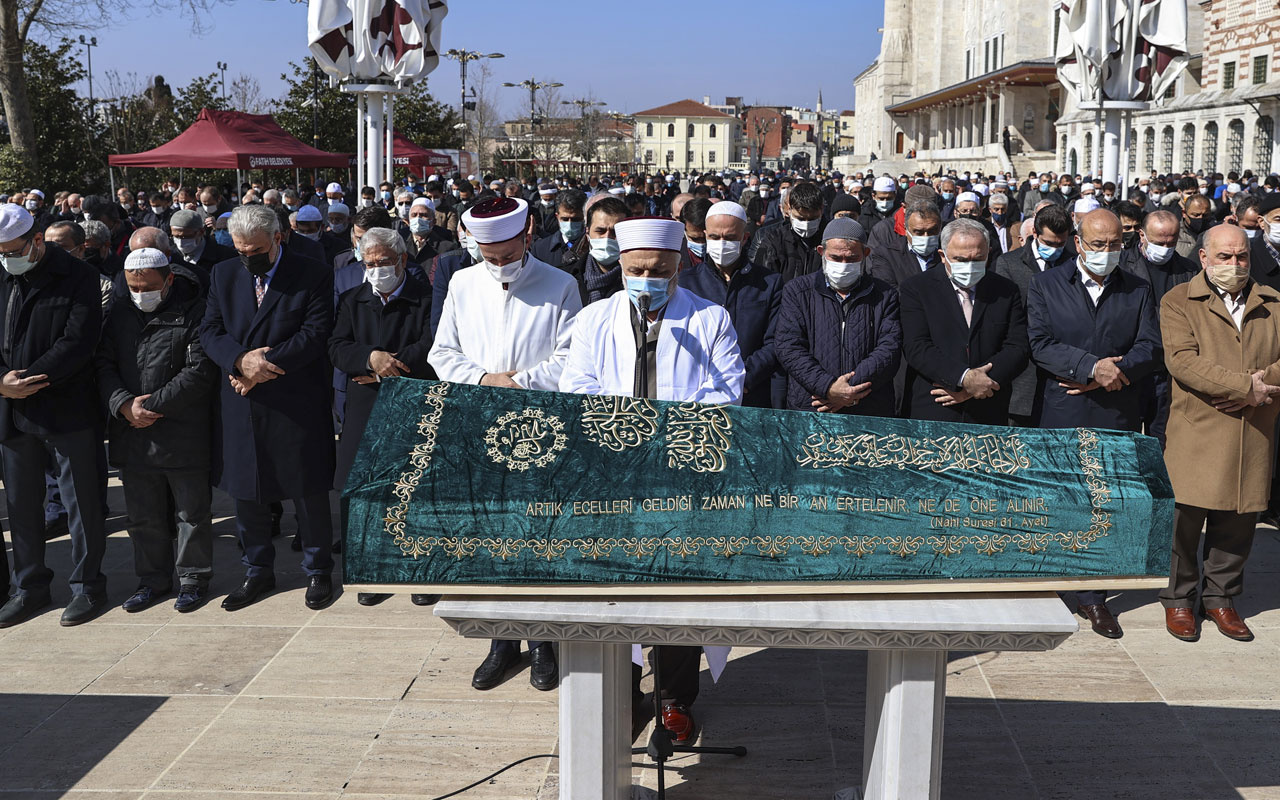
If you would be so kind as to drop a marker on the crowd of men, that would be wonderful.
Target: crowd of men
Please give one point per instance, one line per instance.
(239, 342)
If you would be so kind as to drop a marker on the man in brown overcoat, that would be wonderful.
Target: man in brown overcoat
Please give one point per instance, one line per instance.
(1221, 334)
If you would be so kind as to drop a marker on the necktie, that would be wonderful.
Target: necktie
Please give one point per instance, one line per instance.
(260, 287)
(966, 305)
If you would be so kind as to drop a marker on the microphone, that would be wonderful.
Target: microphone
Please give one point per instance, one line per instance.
(643, 303)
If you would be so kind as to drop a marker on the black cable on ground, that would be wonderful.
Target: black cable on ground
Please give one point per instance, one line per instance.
(494, 775)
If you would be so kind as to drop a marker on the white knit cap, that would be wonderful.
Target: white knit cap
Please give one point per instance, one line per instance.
(968, 197)
(496, 219)
(423, 201)
(145, 258)
(15, 221)
(1086, 204)
(982, 189)
(334, 188)
(884, 184)
(649, 233)
(727, 208)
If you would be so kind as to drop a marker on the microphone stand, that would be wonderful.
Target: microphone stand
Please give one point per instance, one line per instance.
(662, 744)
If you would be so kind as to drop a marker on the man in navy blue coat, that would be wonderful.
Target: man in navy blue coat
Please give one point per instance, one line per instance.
(1095, 338)
(267, 325)
(838, 335)
(751, 294)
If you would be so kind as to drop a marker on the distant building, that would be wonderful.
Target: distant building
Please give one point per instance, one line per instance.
(1220, 115)
(848, 123)
(687, 135)
(763, 129)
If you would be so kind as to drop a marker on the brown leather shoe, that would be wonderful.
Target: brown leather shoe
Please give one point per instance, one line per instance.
(1103, 621)
(1229, 624)
(1181, 622)
(678, 719)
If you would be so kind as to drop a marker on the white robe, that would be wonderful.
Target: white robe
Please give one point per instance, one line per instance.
(697, 360)
(526, 327)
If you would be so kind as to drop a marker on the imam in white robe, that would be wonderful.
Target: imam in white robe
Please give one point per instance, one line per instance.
(698, 358)
(526, 327)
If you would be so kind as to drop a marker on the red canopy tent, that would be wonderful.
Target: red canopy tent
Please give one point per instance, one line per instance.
(232, 140)
(420, 161)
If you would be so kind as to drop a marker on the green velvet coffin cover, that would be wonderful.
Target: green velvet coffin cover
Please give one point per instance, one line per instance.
(458, 484)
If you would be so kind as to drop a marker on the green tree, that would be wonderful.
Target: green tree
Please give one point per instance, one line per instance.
(420, 117)
(60, 124)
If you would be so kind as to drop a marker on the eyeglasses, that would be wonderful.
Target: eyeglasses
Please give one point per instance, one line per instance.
(19, 251)
(381, 264)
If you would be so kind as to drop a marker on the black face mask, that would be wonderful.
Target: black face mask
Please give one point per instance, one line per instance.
(258, 264)
(1195, 225)
(93, 257)
(1129, 238)
(966, 216)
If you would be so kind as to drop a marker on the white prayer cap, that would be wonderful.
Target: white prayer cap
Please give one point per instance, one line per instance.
(1087, 188)
(618, 191)
(884, 184)
(432, 177)
(727, 208)
(471, 177)
(1086, 204)
(339, 208)
(855, 185)
(649, 233)
(15, 221)
(334, 188)
(982, 189)
(1000, 184)
(423, 201)
(145, 258)
(36, 192)
(547, 189)
(1233, 188)
(496, 219)
(968, 197)
(310, 213)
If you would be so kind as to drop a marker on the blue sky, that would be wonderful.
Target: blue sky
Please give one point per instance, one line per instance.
(633, 55)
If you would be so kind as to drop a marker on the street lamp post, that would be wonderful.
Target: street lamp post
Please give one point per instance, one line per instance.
(464, 57)
(588, 143)
(533, 86)
(89, 44)
(222, 67)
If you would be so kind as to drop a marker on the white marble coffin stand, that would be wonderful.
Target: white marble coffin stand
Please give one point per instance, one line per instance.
(907, 637)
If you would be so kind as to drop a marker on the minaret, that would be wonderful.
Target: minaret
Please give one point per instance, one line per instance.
(819, 108)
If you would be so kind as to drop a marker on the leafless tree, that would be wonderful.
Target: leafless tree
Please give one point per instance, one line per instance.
(58, 18)
(481, 119)
(245, 94)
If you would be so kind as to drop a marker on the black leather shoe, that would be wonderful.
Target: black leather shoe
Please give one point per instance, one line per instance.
(371, 599)
(320, 592)
(190, 598)
(249, 592)
(493, 670)
(544, 674)
(144, 598)
(82, 608)
(425, 599)
(21, 608)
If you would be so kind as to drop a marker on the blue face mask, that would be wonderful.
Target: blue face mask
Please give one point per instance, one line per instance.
(571, 231)
(948, 196)
(223, 238)
(698, 248)
(659, 290)
(1048, 253)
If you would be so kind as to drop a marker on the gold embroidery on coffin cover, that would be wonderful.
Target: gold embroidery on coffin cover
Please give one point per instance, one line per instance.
(704, 450)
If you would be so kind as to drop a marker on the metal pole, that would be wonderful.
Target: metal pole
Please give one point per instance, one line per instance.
(391, 104)
(88, 48)
(315, 116)
(377, 119)
(360, 143)
(462, 63)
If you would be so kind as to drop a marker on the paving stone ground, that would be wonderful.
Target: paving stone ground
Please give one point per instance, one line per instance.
(281, 703)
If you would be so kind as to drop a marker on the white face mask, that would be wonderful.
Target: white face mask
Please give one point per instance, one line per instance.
(18, 265)
(366, 202)
(187, 245)
(604, 251)
(1158, 254)
(420, 225)
(805, 227)
(966, 274)
(723, 251)
(1101, 262)
(147, 301)
(32, 205)
(1252, 233)
(507, 273)
(841, 275)
(1273, 232)
(209, 208)
(924, 246)
(383, 279)
(884, 205)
